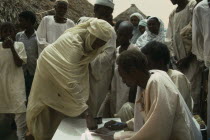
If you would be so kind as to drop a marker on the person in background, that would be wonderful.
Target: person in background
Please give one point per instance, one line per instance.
(135, 18)
(28, 37)
(115, 28)
(154, 32)
(142, 26)
(201, 41)
(52, 27)
(182, 57)
(119, 90)
(101, 68)
(158, 57)
(12, 84)
(165, 113)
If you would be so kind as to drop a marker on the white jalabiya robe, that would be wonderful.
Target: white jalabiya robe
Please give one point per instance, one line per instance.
(178, 21)
(167, 116)
(101, 72)
(183, 85)
(201, 40)
(49, 31)
(12, 83)
(119, 90)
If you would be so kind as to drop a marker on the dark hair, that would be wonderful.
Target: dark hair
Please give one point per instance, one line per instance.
(157, 51)
(7, 25)
(28, 15)
(108, 9)
(132, 58)
(117, 24)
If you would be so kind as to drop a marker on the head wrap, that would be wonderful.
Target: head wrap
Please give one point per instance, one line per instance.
(108, 3)
(96, 27)
(66, 1)
(149, 36)
(138, 15)
(143, 22)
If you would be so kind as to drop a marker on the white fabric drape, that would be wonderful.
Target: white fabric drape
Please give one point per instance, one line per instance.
(61, 81)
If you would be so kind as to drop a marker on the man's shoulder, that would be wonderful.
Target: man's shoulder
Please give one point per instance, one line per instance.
(174, 74)
(157, 75)
(70, 21)
(19, 34)
(48, 17)
(201, 5)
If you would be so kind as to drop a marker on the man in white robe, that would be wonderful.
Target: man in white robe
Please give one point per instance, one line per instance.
(201, 41)
(101, 68)
(180, 51)
(53, 26)
(61, 83)
(119, 90)
(165, 113)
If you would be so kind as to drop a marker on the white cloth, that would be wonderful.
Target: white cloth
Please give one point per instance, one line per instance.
(49, 31)
(149, 36)
(61, 80)
(101, 72)
(183, 85)
(167, 116)
(136, 32)
(12, 84)
(119, 90)
(126, 112)
(201, 32)
(108, 3)
(20, 120)
(178, 21)
(201, 41)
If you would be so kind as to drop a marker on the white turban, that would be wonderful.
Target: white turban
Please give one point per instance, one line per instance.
(66, 1)
(108, 3)
(138, 15)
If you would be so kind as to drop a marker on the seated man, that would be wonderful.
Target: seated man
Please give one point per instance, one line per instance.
(164, 111)
(158, 56)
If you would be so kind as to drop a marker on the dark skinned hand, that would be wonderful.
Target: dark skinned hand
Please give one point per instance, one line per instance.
(113, 125)
(8, 43)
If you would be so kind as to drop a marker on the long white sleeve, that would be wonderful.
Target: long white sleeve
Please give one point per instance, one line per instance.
(42, 35)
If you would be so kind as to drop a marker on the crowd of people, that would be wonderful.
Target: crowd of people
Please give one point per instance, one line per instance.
(147, 75)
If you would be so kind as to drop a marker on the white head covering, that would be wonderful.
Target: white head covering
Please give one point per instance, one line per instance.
(143, 22)
(108, 3)
(138, 15)
(136, 32)
(62, 1)
(149, 36)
